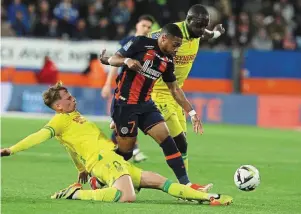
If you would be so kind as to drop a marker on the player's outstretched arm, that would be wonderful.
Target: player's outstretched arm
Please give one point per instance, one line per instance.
(181, 99)
(28, 142)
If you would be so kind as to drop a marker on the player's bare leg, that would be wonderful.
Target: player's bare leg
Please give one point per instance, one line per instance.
(160, 134)
(125, 185)
(155, 181)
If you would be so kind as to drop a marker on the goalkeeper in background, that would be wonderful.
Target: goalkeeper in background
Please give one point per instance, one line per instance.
(93, 153)
(143, 27)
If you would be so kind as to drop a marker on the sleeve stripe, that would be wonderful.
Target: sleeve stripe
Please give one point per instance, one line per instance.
(51, 130)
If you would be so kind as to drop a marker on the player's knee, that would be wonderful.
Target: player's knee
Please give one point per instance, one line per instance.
(126, 144)
(181, 142)
(159, 132)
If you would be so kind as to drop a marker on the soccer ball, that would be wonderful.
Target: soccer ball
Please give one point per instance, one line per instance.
(247, 178)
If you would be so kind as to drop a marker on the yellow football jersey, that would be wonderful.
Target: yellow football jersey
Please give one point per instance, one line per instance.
(184, 58)
(80, 136)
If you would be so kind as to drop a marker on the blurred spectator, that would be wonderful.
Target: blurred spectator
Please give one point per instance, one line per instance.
(5, 26)
(67, 15)
(277, 31)
(92, 18)
(229, 24)
(160, 11)
(252, 6)
(43, 19)
(120, 32)
(49, 72)
(80, 32)
(99, 6)
(32, 17)
(20, 24)
(297, 19)
(288, 42)
(15, 7)
(243, 30)
(66, 11)
(267, 7)
(97, 23)
(286, 10)
(53, 31)
(120, 14)
(261, 40)
(258, 21)
(247, 22)
(103, 24)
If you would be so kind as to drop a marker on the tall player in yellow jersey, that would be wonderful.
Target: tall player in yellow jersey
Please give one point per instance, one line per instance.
(194, 30)
(94, 154)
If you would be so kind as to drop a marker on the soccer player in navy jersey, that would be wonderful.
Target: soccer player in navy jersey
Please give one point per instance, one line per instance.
(143, 61)
(143, 27)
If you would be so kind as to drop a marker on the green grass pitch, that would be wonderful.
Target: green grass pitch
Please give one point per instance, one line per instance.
(29, 178)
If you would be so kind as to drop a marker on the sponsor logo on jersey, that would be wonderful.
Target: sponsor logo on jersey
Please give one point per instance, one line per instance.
(149, 47)
(186, 59)
(147, 71)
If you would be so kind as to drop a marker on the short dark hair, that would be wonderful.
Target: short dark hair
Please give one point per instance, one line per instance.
(197, 10)
(146, 17)
(173, 30)
(52, 94)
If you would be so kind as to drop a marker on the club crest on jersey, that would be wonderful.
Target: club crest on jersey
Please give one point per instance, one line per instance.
(79, 119)
(124, 130)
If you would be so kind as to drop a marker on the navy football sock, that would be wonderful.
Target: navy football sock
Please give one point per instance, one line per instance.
(126, 155)
(174, 160)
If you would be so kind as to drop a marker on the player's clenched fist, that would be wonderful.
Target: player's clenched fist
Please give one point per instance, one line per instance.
(197, 125)
(219, 28)
(5, 152)
(104, 59)
(133, 64)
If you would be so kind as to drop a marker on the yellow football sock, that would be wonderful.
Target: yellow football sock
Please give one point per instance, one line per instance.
(107, 194)
(183, 191)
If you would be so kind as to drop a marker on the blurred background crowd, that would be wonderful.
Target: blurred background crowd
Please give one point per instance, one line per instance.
(259, 24)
